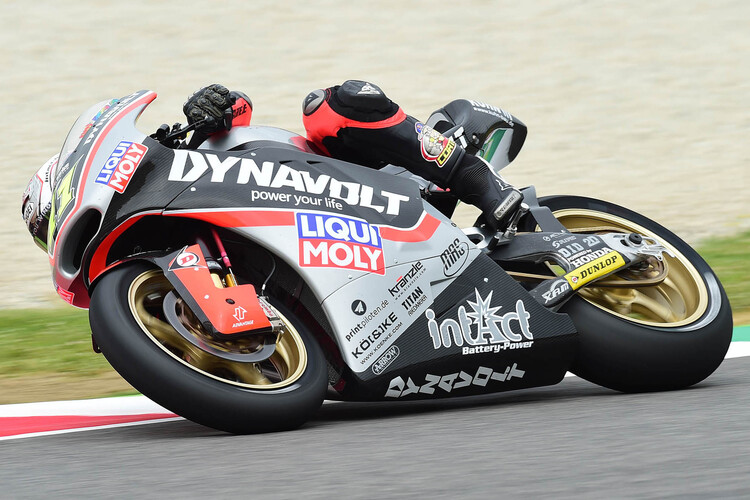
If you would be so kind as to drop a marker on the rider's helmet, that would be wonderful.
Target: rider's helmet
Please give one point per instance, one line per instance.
(37, 202)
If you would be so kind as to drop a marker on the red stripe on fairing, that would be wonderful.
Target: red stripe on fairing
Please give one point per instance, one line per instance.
(99, 260)
(240, 218)
(422, 232)
(14, 426)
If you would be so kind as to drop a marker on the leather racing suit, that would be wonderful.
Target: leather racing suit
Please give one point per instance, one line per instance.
(358, 123)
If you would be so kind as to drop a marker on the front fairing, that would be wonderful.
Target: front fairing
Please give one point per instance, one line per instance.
(85, 185)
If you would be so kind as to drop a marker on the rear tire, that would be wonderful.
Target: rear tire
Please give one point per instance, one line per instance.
(643, 351)
(154, 370)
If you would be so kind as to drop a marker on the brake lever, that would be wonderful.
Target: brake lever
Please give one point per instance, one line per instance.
(168, 138)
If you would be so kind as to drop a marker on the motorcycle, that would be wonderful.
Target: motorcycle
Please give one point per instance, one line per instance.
(242, 282)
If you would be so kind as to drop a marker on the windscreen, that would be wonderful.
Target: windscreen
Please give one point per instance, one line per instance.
(82, 125)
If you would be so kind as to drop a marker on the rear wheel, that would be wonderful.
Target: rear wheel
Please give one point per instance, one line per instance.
(668, 328)
(215, 383)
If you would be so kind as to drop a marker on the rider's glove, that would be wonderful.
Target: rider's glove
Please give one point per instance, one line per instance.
(208, 108)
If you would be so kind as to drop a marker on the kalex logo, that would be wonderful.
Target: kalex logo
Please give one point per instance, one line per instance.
(121, 164)
(340, 242)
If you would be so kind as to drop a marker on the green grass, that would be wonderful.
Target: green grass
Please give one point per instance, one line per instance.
(36, 341)
(728, 257)
(58, 340)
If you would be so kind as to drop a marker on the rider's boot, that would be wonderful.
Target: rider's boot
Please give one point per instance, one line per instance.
(475, 182)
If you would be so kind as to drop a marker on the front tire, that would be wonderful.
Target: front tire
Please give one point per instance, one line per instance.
(233, 397)
(661, 337)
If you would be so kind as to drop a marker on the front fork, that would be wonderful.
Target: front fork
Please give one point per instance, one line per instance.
(208, 286)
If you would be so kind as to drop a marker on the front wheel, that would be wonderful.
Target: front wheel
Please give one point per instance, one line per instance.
(665, 335)
(200, 378)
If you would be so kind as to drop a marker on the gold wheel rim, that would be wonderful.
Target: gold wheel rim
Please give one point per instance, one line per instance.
(285, 366)
(680, 299)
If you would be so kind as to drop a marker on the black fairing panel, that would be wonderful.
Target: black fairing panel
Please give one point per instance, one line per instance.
(544, 362)
(303, 181)
(149, 188)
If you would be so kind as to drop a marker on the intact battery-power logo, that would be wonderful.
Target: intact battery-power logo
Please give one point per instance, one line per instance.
(119, 168)
(337, 241)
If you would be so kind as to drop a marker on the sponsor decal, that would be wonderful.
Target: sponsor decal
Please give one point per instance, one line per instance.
(97, 116)
(385, 360)
(406, 280)
(589, 256)
(414, 300)
(377, 337)
(595, 269)
(570, 251)
(121, 164)
(454, 257)
(492, 110)
(433, 145)
(323, 190)
(359, 307)
(64, 294)
(313, 101)
(553, 236)
(592, 241)
(559, 243)
(448, 383)
(115, 106)
(185, 259)
(339, 242)
(239, 315)
(239, 110)
(28, 211)
(368, 89)
(360, 327)
(556, 288)
(493, 332)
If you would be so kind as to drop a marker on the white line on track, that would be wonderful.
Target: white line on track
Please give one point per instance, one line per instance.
(141, 405)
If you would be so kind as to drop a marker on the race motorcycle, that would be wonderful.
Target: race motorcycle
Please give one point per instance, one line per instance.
(242, 282)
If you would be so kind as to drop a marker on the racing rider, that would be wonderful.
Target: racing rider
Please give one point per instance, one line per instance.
(356, 122)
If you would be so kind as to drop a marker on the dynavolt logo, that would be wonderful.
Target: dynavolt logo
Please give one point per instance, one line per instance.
(339, 242)
(482, 329)
(121, 164)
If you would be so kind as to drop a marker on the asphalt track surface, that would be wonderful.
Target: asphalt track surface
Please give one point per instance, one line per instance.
(572, 440)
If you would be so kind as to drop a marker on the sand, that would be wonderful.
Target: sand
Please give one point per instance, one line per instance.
(640, 103)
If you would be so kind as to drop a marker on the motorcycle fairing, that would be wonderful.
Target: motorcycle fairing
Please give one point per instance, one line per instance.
(292, 189)
(78, 200)
(473, 325)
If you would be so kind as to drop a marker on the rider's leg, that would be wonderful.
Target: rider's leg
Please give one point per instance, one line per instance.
(356, 122)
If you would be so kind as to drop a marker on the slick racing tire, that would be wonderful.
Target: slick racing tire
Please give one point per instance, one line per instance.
(217, 391)
(665, 336)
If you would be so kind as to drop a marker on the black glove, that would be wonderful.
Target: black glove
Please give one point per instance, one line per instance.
(208, 107)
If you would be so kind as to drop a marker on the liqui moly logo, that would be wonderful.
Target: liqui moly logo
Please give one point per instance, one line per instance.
(342, 242)
(119, 168)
